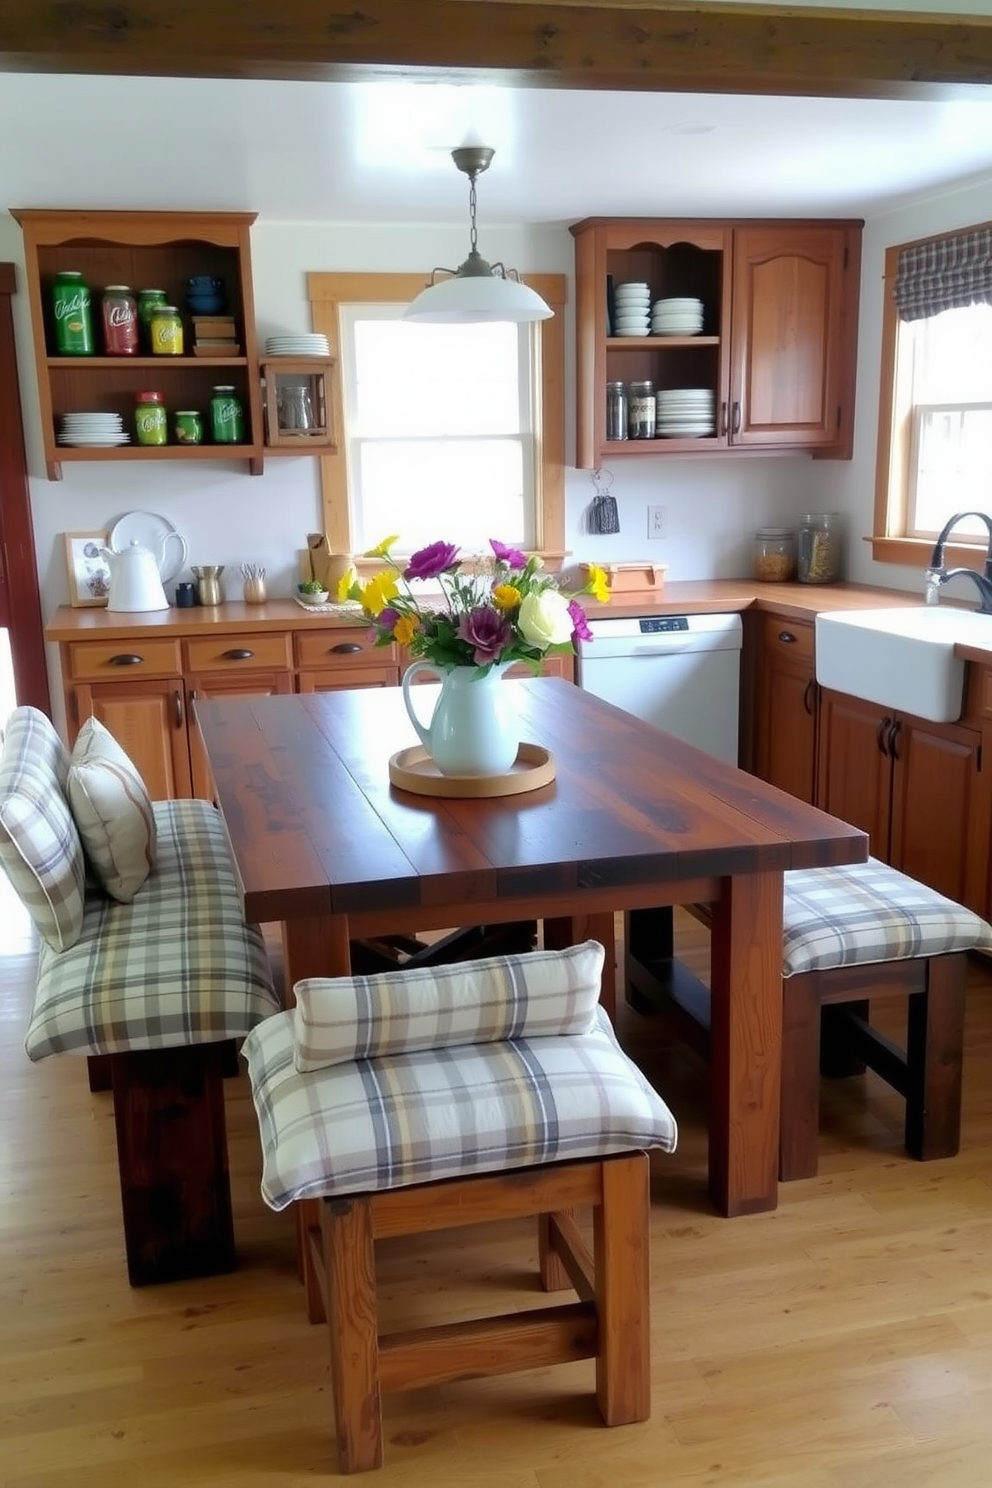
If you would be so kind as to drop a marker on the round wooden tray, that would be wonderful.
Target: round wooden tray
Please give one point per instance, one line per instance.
(414, 770)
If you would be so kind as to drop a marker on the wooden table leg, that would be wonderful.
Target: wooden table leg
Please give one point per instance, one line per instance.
(746, 1044)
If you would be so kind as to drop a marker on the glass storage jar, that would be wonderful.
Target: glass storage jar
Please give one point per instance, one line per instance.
(818, 544)
(641, 410)
(774, 560)
(616, 410)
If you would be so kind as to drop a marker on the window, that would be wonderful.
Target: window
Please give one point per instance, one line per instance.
(442, 431)
(935, 414)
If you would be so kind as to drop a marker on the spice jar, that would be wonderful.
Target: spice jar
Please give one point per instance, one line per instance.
(150, 420)
(774, 560)
(818, 543)
(616, 410)
(641, 411)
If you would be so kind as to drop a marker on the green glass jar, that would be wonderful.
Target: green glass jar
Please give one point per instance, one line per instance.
(227, 417)
(151, 424)
(73, 314)
(148, 300)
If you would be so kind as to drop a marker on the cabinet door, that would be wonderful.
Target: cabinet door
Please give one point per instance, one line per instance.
(785, 707)
(335, 657)
(787, 336)
(258, 683)
(940, 808)
(854, 778)
(148, 720)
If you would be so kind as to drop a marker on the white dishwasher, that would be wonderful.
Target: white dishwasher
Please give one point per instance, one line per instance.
(679, 672)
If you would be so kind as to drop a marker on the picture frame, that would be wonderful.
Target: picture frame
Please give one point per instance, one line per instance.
(87, 571)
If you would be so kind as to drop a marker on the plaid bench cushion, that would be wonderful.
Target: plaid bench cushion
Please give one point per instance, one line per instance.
(177, 965)
(534, 995)
(40, 846)
(865, 912)
(444, 1113)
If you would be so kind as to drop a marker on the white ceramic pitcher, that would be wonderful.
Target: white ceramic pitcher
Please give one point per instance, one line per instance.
(473, 729)
(135, 582)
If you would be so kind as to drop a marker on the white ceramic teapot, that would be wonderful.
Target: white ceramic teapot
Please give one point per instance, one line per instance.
(135, 582)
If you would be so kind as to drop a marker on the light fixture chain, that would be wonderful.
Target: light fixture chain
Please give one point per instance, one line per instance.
(473, 234)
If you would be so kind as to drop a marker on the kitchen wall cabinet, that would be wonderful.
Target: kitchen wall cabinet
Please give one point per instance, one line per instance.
(142, 250)
(785, 705)
(917, 788)
(779, 339)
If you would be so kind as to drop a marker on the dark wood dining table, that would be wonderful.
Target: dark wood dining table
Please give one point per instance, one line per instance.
(633, 819)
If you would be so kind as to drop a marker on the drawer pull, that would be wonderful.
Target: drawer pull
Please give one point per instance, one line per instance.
(178, 708)
(787, 637)
(125, 658)
(345, 648)
(238, 653)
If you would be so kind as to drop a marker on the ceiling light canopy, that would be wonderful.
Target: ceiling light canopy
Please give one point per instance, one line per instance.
(476, 290)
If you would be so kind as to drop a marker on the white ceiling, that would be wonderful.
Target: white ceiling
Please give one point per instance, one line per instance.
(379, 152)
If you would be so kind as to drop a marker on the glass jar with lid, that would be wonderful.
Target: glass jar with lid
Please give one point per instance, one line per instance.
(641, 410)
(819, 548)
(616, 410)
(774, 558)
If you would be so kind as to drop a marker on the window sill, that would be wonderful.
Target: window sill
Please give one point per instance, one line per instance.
(915, 552)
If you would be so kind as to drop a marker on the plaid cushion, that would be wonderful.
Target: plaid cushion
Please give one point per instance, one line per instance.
(444, 1113)
(178, 965)
(112, 812)
(867, 912)
(39, 844)
(534, 995)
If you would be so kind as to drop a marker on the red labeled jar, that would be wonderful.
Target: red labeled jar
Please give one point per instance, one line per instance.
(119, 309)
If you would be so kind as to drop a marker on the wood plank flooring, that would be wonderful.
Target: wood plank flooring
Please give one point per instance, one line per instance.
(844, 1341)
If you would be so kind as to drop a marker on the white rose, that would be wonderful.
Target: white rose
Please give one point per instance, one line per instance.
(544, 619)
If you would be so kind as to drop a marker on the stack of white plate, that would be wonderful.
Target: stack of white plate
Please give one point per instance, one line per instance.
(96, 430)
(631, 310)
(303, 345)
(685, 412)
(678, 317)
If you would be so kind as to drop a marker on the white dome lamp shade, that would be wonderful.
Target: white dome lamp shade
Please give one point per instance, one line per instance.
(476, 290)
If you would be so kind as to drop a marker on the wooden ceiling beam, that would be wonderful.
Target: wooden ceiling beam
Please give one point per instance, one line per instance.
(646, 45)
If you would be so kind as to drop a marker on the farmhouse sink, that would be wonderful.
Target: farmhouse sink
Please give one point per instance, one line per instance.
(901, 659)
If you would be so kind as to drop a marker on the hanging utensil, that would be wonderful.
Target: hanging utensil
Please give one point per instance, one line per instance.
(603, 514)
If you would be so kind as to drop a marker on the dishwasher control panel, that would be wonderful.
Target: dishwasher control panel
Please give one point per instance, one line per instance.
(663, 624)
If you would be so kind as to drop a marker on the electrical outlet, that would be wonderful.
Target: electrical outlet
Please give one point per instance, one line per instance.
(656, 521)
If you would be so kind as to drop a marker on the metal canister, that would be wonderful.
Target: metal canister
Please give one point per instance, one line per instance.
(641, 411)
(616, 410)
(73, 314)
(227, 417)
(166, 331)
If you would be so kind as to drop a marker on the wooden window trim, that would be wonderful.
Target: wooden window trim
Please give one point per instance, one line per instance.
(328, 292)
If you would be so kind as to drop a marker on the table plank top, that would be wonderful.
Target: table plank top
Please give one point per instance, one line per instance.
(317, 827)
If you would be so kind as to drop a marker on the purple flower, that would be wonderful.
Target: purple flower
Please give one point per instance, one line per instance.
(387, 618)
(581, 631)
(485, 630)
(511, 556)
(429, 562)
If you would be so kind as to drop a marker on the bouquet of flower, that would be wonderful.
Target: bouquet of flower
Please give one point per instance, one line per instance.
(490, 611)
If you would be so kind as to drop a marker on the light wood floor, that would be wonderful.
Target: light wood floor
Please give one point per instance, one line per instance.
(844, 1341)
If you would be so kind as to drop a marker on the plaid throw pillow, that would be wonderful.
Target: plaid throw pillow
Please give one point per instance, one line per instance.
(39, 845)
(535, 995)
(112, 811)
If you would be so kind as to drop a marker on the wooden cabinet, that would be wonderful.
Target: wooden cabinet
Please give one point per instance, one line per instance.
(142, 250)
(916, 787)
(785, 705)
(147, 717)
(249, 665)
(332, 659)
(777, 347)
(297, 404)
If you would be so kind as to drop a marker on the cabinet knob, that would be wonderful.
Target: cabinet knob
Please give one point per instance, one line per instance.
(177, 698)
(125, 658)
(737, 417)
(882, 736)
(787, 637)
(345, 648)
(238, 653)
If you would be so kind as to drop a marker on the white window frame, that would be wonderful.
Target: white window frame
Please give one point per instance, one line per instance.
(328, 292)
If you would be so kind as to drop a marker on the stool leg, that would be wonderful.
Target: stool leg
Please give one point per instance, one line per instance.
(623, 1290)
(554, 1277)
(935, 1036)
(353, 1325)
(799, 1129)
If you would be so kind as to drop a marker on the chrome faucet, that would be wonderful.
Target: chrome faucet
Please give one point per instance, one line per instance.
(938, 574)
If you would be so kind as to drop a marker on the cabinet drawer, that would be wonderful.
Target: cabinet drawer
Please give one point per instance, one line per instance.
(135, 657)
(232, 652)
(341, 647)
(789, 638)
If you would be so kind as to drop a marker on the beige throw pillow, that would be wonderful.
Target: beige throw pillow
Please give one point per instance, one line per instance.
(112, 811)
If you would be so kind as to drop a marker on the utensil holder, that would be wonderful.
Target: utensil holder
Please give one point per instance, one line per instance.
(255, 591)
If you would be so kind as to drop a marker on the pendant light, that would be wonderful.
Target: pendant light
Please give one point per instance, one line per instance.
(477, 290)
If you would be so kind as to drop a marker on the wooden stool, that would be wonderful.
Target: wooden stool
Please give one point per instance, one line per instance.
(610, 1322)
(852, 936)
(422, 1100)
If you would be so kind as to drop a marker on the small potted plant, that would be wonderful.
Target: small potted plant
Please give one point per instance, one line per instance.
(312, 591)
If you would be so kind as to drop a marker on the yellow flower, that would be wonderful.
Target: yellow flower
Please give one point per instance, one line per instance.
(381, 550)
(345, 582)
(599, 584)
(377, 593)
(405, 629)
(506, 597)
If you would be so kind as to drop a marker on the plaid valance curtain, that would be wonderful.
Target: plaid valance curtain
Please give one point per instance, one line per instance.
(945, 274)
